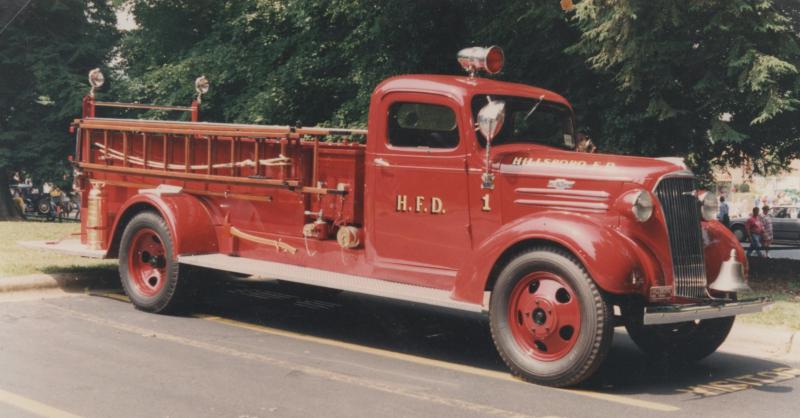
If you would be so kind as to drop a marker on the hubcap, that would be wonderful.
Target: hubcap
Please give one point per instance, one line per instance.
(147, 262)
(544, 316)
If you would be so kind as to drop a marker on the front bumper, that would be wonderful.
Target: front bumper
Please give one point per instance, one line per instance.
(669, 314)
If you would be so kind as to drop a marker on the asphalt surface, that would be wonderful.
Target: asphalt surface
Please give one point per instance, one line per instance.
(781, 251)
(257, 350)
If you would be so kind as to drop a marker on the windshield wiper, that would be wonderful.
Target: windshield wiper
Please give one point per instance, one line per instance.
(535, 106)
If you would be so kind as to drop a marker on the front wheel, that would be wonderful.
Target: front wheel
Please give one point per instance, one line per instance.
(683, 342)
(148, 267)
(550, 323)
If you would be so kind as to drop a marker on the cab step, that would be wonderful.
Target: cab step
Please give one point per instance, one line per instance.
(322, 278)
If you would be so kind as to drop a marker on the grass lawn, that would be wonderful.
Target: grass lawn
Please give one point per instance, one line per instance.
(17, 261)
(780, 279)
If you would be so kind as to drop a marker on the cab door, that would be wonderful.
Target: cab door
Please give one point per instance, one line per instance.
(419, 193)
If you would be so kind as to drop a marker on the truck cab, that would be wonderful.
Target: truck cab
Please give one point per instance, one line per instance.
(467, 193)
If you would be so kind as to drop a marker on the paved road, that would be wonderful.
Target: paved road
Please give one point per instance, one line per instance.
(257, 351)
(781, 251)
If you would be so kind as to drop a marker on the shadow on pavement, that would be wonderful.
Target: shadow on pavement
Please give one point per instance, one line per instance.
(460, 338)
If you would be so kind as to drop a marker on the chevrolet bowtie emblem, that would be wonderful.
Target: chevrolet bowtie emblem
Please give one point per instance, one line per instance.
(560, 184)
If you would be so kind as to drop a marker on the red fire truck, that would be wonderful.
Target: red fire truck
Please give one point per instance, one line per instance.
(464, 192)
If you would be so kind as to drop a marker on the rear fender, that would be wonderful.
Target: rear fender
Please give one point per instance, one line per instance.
(189, 219)
(609, 257)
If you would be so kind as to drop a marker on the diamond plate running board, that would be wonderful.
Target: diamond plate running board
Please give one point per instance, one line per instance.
(323, 278)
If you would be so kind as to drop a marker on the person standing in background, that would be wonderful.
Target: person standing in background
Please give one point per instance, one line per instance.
(20, 203)
(724, 212)
(766, 221)
(755, 231)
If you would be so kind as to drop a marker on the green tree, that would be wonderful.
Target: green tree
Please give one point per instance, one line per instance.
(45, 54)
(715, 80)
(712, 80)
(282, 61)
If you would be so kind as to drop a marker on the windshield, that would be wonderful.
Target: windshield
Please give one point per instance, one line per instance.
(529, 120)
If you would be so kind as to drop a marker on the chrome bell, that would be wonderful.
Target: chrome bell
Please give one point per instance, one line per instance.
(731, 276)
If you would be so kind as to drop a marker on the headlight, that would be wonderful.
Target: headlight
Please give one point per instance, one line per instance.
(642, 206)
(709, 205)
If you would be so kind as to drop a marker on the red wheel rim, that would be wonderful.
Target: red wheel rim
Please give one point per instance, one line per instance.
(544, 316)
(147, 262)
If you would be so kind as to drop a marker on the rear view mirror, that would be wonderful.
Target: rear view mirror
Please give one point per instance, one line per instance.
(585, 144)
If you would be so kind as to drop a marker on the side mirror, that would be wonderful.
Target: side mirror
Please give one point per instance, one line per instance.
(585, 144)
(490, 121)
(491, 118)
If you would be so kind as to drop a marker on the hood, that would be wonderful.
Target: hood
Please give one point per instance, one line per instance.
(550, 162)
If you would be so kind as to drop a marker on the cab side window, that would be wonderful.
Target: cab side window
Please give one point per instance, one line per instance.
(421, 125)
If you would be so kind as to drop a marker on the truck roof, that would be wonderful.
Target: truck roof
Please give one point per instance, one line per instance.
(462, 88)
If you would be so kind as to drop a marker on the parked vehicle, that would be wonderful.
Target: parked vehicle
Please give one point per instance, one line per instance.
(25, 191)
(785, 226)
(468, 194)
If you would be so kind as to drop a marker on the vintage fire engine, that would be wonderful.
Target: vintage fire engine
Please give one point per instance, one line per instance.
(468, 193)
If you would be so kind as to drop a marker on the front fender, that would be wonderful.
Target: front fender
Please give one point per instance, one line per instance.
(189, 219)
(718, 241)
(607, 255)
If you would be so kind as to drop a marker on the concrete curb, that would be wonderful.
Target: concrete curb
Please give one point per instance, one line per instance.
(48, 281)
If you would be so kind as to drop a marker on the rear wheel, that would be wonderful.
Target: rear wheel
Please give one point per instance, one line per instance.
(148, 267)
(43, 206)
(550, 323)
(683, 342)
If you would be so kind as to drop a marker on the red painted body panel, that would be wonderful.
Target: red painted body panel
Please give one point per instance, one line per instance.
(190, 219)
(449, 233)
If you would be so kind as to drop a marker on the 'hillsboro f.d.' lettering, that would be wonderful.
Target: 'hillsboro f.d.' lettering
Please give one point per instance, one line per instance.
(558, 161)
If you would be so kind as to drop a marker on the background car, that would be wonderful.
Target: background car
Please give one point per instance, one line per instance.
(785, 225)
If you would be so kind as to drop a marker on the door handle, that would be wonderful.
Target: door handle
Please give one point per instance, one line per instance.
(380, 162)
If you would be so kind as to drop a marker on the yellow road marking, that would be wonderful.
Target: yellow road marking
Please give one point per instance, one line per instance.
(624, 400)
(656, 406)
(368, 383)
(744, 382)
(34, 407)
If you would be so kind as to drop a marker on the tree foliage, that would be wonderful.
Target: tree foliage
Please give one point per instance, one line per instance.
(45, 54)
(714, 80)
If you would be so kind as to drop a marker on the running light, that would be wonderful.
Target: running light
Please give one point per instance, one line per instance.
(96, 80)
(201, 86)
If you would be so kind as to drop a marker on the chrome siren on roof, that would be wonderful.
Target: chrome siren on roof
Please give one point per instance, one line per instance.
(477, 58)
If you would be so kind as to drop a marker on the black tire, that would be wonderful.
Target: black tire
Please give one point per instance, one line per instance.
(174, 293)
(44, 207)
(683, 342)
(594, 335)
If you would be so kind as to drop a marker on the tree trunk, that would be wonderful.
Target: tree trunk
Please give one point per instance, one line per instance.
(8, 209)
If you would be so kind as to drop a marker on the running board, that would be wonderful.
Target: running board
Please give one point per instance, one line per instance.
(66, 246)
(333, 280)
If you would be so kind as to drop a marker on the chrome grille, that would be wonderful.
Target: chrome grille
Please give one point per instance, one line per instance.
(682, 212)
